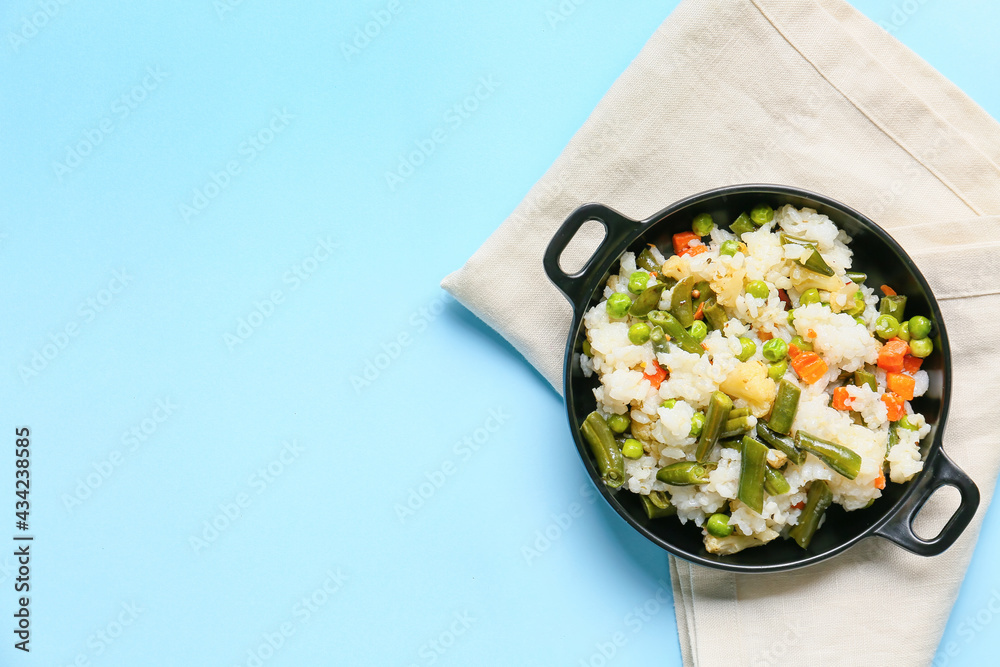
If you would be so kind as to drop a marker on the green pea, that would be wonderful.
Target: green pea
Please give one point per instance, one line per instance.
(749, 347)
(729, 247)
(698, 330)
(800, 342)
(619, 423)
(697, 424)
(758, 289)
(718, 526)
(638, 333)
(637, 282)
(618, 305)
(586, 348)
(886, 326)
(906, 423)
(632, 449)
(775, 349)
(809, 296)
(703, 224)
(669, 403)
(761, 214)
(777, 371)
(921, 347)
(920, 327)
(791, 317)
(904, 331)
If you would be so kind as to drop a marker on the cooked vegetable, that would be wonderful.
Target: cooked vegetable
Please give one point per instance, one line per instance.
(857, 277)
(702, 225)
(742, 225)
(683, 473)
(921, 347)
(905, 422)
(654, 374)
(658, 339)
(886, 326)
(683, 241)
(715, 315)
(736, 427)
(618, 305)
(729, 248)
(920, 327)
(912, 364)
(718, 525)
(808, 365)
(638, 333)
(619, 423)
(739, 412)
(698, 330)
(785, 405)
(782, 443)
(761, 214)
(758, 289)
(608, 457)
(890, 357)
(647, 301)
(895, 305)
(669, 403)
(586, 349)
(774, 482)
(775, 349)
(657, 505)
(748, 348)
(753, 463)
(680, 302)
(637, 282)
(900, 384)
(749, 381)
(904, 331)
(715, 419)
(801, 343)
(646, 261)
(837, 457)
(777, 370)
(818, 500)
(632, 449)
(863, 377)
(840, 398)
(697, 424)
(894, 406)
(678, 334)
(810, 296)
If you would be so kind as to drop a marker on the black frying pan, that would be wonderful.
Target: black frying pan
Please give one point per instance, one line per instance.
(876, 254)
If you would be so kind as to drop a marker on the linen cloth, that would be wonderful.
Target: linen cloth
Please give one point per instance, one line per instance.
(807, 93)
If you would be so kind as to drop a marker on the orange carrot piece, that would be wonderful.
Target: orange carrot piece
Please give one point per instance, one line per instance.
(890, 357)
(894, 404)
(888, 291)
(840, 398)
(682, 241)
(799, 505)
(699, 314)
(911, 364)
(811, 333)
(880, 480)
(793, 351)
(693, 250)
(809, 366)
(658, 375)
(765, 336)
(900, 384)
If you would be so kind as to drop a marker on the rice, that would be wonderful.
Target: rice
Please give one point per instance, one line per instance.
(663, 411)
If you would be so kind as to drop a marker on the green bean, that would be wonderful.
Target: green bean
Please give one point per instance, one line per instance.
(782, 443)
(921, 347)
(657, 505)
(602, 443)
(815, 263)
(837, 457)
(680, 302)
(863, 377)
(920, 327)
(785, 406)
(700, 293)
(684, 473)
(857, 277)
(619, 423)
(718, 525)
(894, 305)
(774, 482)
(715, 315)
(647, 301)
(646, 261)
(742, 225)
(678, 334)
(739, 412)
(715, 420)
(753, 463)
(735, 428)
(818, 499)
(658, 339)
(761, 214)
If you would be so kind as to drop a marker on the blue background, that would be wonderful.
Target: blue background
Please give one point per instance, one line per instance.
(501, 556)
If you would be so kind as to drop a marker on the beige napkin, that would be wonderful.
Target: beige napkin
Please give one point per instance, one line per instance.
(807, 93)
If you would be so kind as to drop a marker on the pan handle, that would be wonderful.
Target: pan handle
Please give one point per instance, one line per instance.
(899, 528)
(618, 229)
